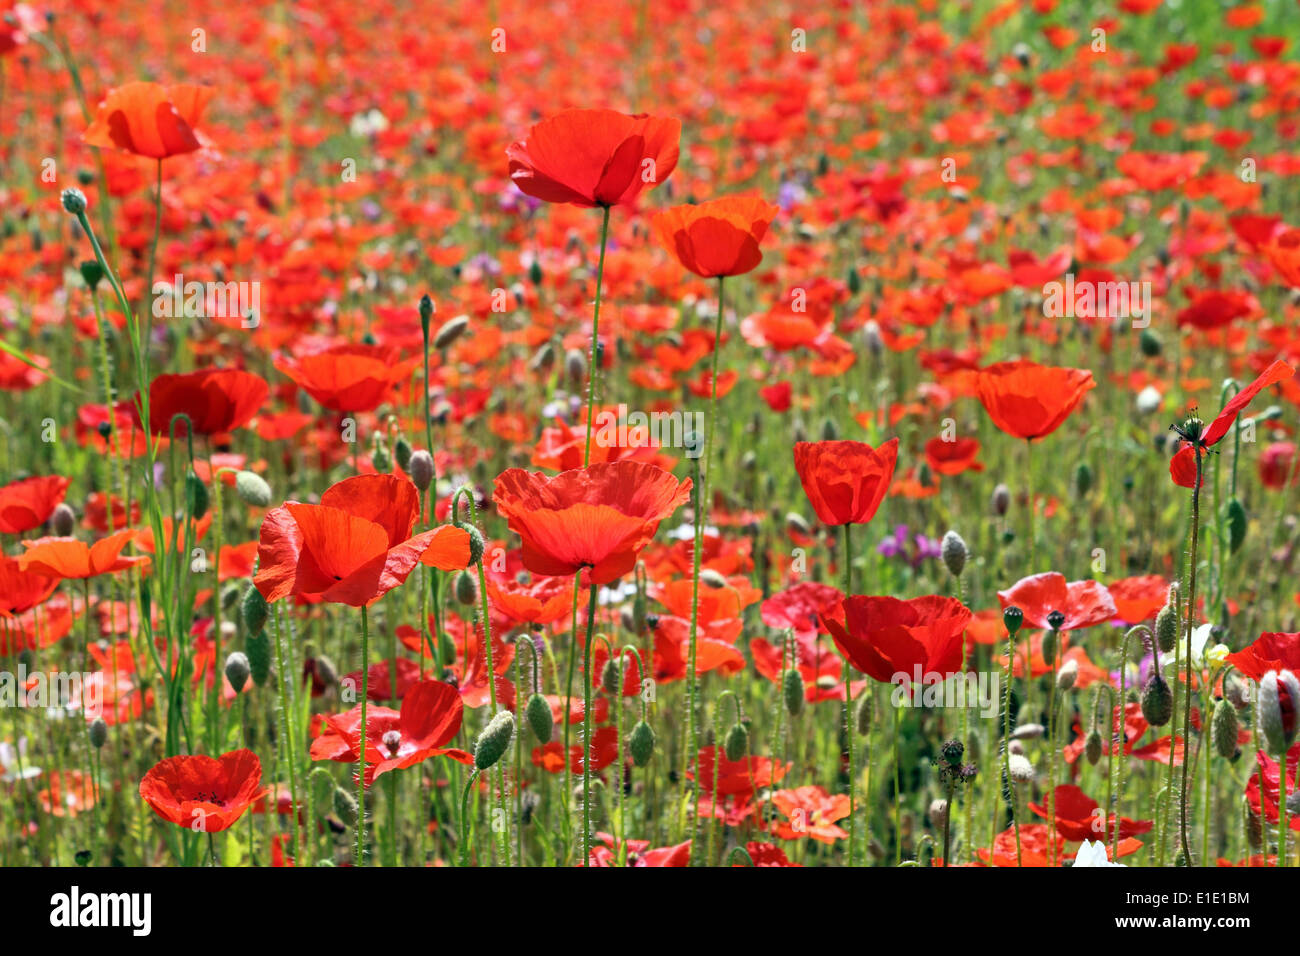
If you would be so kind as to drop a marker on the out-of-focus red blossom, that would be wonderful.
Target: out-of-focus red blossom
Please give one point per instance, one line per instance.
(28, 503)
(355, 546)
(885, 637)
(216, 400)
(594, 157)
(201, 792)
(817, 812)
(1083, 603)
(953, 457)
(21, 590)
(1278, 467)
(1028, 400)
(595, 519)
(1078, 818)
(717, 238)
(349, 377)
(1271, 771)
(638, 853)
(1271, 651)
(1139, 599)
(845, 481)
(150, 119)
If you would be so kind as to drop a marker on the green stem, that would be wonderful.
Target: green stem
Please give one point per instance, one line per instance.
(594, 374)
(361, 772)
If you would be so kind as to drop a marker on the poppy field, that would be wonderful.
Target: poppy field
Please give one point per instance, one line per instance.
(623, 434)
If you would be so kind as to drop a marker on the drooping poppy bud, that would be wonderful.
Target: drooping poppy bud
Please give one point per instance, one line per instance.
(254, 610)
(538, 713)
(737, 743)
(258, 650)
(252, 489)
(196, 496)
(98, 733)
(1223, 729)
(641, 743)
(1092, 747)
(1279, 693)
(237, 670)
(1157, 701)
(420, 468)
(492, 742)
(793, 692)
(954, 552)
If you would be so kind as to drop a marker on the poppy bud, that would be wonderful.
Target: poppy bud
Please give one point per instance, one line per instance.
(379, 457)
(1157, 701)
(466, 588)
(535, 272)
(426, 313)
(1092, 747)
(1067, 675)
(641, 743)
(829, 431)
(345, 805)
(237, 670)
(493, 741)
(540, 719)
(1001, 500)
(863, 715)
(1028, 732)
(854, 282)
(252, 489)
(575, 365)
(1236, 691)
(611, 676)
(325, 670)
(196, 496)
(476, 544)
(872, 338)
(737, 743)
(1278, 694)
(63, 520)
(543, 358)
(1083, 479)
(258, 651)
(795, 523)
(1167, 626)
(938, 814)
(792, 690)
(1012, 618)
(1223, 729)
(92, 273)
(954, 552)
(420, 468)
(1051, 638)
(74, 201)
(1235, 514)
(98, 733)
(402, 452)
(451, 330)
(254, 610)
(1021, 770)
(712, 578)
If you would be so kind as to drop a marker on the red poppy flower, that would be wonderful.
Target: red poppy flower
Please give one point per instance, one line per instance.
(1272, 773)
(1277, 466)
(202, 793)
(70, 558)
(355, 546)
(1084, 603)
(21, 590)
(1028, 400)
(594, 157)
(953, 457)
(1182, 467)
(348, 378)
(598, 517)
(845, 480)
(1140, 598)
(216, 400)
(716, 238)
(150, 119)
(1078, 817)
(1271, 651)
(817, 810)
(884, 637)
(429, 719)
(28, 503)
(799, 606)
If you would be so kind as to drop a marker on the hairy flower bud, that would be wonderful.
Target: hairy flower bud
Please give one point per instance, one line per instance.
(1157, 701)
(98, 733)
(492, 742)
(450, 331)
(737, 743)
(254, 610)
(1223, 729)
(252, 489)
(1279, 694)
(420, 468)
(238, 670)
(793, 692)
(954, 552)
(641, 743)
(540, 719)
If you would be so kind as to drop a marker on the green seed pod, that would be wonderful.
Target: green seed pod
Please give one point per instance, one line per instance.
(1236, 518)
(854, 282)
(1083, 479)
(1157, 701)
(98, 733)
(1012, 618)
(535, 272)
(345, 805)
(538, 713)
(1150, 344)
(792, 690)
(1092, 747)
(829, 430)
(254, 610)
(862, 717)
(402, 452)
(641, 744)
(252, 489)
(737, 743)
(92, 273)
(196, 496)
(237, 670)
(1223, 729)
(1167, 628)
(258, 650)
(466, 588)
(493, 741)
(427, 309)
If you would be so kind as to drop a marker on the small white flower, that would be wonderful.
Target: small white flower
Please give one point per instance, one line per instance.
(1093, 854)
(1200, 637)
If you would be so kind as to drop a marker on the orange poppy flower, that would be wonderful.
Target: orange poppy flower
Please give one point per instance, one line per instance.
(150, 119)
(348, 378)
(597, 518)
(355, 546)
(72, 559)
(1028, 400)
(845, 480)
(716, 238)
(216, 400)
(21, 590)
(27, 504)
(594, 157)
(204, 793)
